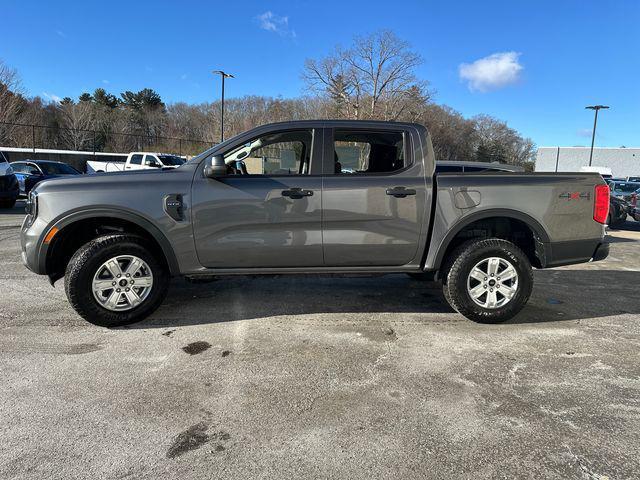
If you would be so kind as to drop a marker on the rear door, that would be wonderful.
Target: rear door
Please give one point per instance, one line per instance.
(374, 196)
(267, 211)
(134, 163)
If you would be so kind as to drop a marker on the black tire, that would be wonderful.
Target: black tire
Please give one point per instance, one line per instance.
(615, 222)
(7, 203)
(88, 259)
(456, 274)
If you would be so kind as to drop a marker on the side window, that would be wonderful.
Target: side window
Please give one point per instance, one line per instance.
(150, 161)
(279, 153)
(361, 152)
(18, 167)
(136, 160)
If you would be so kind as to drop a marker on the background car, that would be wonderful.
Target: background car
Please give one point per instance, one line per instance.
(618, 210)
(633, 179)
(623, 190)
(8, 184)
(30, 172)
(470, 167)
(634, 209)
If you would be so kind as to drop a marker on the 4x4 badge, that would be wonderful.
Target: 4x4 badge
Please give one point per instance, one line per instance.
(575, 195)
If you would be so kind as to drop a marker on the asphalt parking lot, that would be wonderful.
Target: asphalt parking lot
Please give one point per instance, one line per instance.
(324, 377)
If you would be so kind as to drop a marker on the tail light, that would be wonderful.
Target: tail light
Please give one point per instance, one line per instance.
(634, 199)
(601, 204)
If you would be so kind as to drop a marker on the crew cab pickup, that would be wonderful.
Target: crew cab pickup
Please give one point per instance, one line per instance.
(137, 161)
(311, 197)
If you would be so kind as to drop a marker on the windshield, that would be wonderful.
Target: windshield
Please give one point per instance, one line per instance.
(57, 169)
(171, 160)
(626, 187)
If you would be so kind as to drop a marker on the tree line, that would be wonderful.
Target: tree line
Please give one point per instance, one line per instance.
(374, 78)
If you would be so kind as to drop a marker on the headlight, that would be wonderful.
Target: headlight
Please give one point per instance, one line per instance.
(31, 207)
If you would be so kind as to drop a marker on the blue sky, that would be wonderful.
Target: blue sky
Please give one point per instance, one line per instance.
(534, 64)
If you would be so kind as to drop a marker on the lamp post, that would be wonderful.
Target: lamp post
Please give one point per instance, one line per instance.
(595, 123)
(223, 75)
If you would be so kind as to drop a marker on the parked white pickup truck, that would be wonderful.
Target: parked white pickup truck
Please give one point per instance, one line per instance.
(137, 161)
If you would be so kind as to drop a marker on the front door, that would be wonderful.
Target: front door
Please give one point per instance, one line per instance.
(374, 197)
(267, 211)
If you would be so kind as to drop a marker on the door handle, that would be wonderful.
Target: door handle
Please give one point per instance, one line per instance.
(400, 192)
(297, 193)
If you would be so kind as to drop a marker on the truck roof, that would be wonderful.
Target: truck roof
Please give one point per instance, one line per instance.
(153, 153)
(338, 122)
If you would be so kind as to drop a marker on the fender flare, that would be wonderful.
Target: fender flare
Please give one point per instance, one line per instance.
(540, 234)
(110, 212)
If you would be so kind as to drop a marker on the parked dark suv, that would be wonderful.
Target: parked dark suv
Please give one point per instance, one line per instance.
(32, 172)
(9, 189)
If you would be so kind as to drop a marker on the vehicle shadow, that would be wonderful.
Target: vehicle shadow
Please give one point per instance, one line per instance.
(627, 226)
(559, 295)
(18, 209)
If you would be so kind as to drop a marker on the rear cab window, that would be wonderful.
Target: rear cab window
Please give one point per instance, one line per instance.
(358, 152)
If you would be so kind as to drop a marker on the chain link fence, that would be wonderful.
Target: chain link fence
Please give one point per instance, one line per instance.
(18, 135)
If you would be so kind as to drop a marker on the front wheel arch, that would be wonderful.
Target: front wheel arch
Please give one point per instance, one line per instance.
(79, 228)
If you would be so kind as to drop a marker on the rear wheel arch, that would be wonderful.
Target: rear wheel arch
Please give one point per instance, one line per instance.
(81, 227)
(517, 227)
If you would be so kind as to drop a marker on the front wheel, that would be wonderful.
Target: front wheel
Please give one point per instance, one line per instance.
(114, 280)
(488, 281)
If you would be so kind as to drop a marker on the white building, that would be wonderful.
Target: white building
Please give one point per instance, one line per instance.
(623, 162)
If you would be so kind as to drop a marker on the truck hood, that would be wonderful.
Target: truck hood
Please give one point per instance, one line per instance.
(116, 180)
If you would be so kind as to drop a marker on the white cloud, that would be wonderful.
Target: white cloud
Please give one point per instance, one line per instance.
(51, 97)
(272, 22)
(584, 132)
(493, 72)
(106, 82)
(183, 76)
(61, 34)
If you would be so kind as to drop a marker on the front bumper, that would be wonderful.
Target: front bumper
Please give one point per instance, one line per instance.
(32, 252)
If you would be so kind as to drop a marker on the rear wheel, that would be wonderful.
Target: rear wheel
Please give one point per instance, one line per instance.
(488, 281)
(114, 280)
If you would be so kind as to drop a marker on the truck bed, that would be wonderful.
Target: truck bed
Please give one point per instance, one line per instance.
(558, 207)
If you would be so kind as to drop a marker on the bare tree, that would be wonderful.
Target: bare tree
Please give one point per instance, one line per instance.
(454, 137)
(498, 142)
(373, 79)
(76, 119)
(11, 102)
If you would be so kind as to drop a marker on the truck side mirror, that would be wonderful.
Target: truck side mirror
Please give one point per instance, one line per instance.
(215, 167)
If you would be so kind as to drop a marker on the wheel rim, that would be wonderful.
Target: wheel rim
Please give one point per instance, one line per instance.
(122, 283)
(492, 282)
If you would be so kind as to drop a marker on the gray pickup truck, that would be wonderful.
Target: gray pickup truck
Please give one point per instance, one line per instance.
(311, 197)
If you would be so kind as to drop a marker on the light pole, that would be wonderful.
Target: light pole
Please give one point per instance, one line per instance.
(595, 122)
(223, 75)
